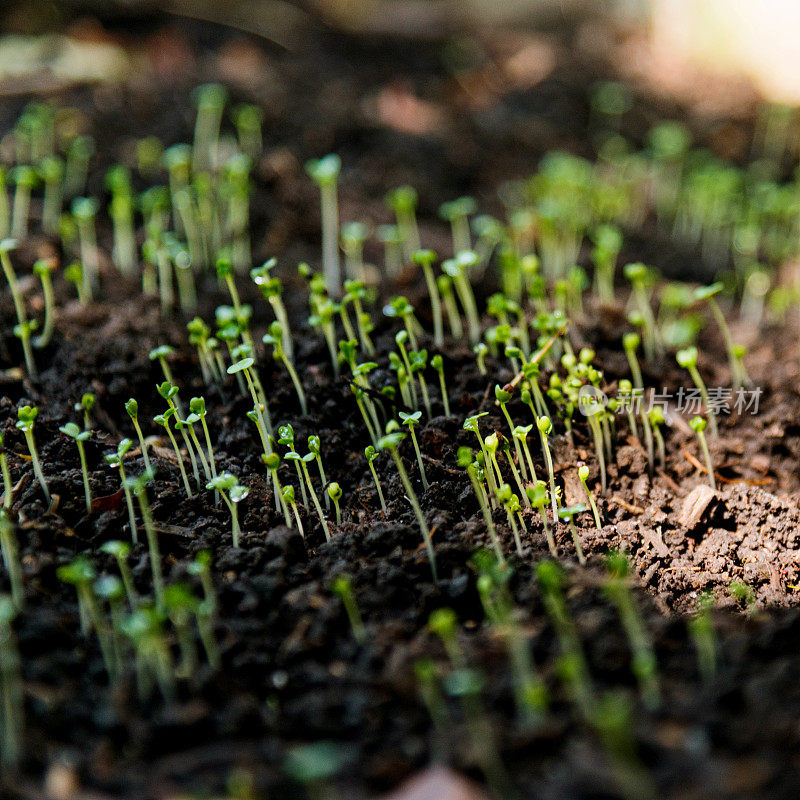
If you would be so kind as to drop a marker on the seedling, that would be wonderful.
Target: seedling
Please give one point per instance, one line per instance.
(8, 490)
(411, 420)
(698, 425)
(44, 268)
(74, 432)
(567, 514)
(583, 475)
(334, 491)
(607, 244)
(116, 461)
(12, 717)
(510, 503)
(81, 574)
(391, 442)
(325, 173)
(630, 343)
(537, 496)
(163, 420)
(503, 395)
(25, 179)
(181, 605)
(84, 210)
(210, 100)
(426, 259)
(286, 437)
(110, 588)
(74, 274)
(343, 588)
(132, 407)
(161, 354)
(352, 238)
(458, 269)
(139, 488)
(23, 327)
(303, 462)
(745, 594)
(370, 453)
(687, 359)
(457, 213)
(232, 492)
(656, 418)
(287, 496)
(120, 552)
(467, 461)
(481, 351)
(263, 419)
(445, 286)
(10, 550)
(355, 293)
(275, 338)
(701, 627)
(272, 289)
(544, 426)
(640, 278)
(145, 628)
(26, 417)
(437, 362)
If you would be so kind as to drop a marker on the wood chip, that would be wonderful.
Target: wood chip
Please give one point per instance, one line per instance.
(695, 505)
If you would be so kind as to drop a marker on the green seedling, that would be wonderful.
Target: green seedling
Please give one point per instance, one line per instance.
(568, 514)
(744, 594)
(537, 496)
(51, 170)
(583, 475)
(26, 418)
(426, 260)
(607, 244)
(248, 119)
(437, 362)
(334, 491)
(198, 413)
(403, 201)
(444, 284)
(688, 360)
(573, 668)
(639, 276)
(139, 488)
(544, 426)
(44, 269)
(74, 432)
(210, 99)
(410, 421)
(25, 179)
(391, 441)
(701, 628)
(161, 354)
(510, 503)
(481, 351)
(314, 766)
(77, 166)
(457, 213)
(503, 396)
(698, 425)
(272, 462)
(120, 552)
(287, 495)
(325, 173)
(12, 715)
(81, 574)
(656, 418)
(232, 492)
(355, 293)
(272, 289)
(163, 420)
(132, 407)
(275, 338)
(84, 210)
(618, 590)
(430, 692)
(207, 609)
(739, 375)
(8, 489)
(352, 238)
(116, 461)
(370, 453)
(263, 420)
(458, 269)
(342, 587)
(153, 663)
(630, 343)
(467, 461)
(181, 606)
(23, 328)
(303, 462)
(85, 406)
(74, 274)
(109, 588)
(286, 437)
(9, 547)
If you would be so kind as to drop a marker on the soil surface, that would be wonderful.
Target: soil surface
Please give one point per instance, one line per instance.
(292, 672)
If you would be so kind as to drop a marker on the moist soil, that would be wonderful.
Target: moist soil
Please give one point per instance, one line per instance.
(292, 671)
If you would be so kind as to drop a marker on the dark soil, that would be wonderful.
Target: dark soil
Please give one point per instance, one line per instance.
(292, 672)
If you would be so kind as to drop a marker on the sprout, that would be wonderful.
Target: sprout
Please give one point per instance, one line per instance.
(9, 547)
(144, 627)
(739, 375)
(640, 277)
(370, 453)
(74, 432)
(458, 269)
(84, 210)
(74, 274)
(510, 503)
(688, 360)
(544, 426)
(644, 663)
(481, 351)
(607, 244)
(232, 492)
(410, 420)
(163, 420)
(287, 496)
(325, 172)
(437, 362)
(263, 421)
(701, 627)
(342, 587)
(115, 461)
(520, 434)
(77, 166)
(26, 417)
(8, 490)
(275, 338)
(391, 442)
(44, 269)
(25, 179)
(630, 343)
(248, 119)
(466, 460)
(426, 259)
(698, 425)
(132, 407)
(210, 100)
(352, 238)
(12, 720)
(355, 292)
(302, 462)
(457, 212)
(181, 605)
(286, 437)
(120, 552)
(23, 327)
(444, 284)
(656, 419)
(537, 496)
(139, 488)
(161, 354)
(81, 574)
(272, 289)
(583, 475)
(503, 395)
